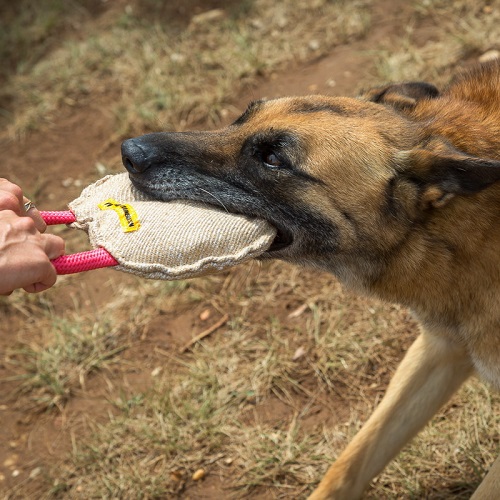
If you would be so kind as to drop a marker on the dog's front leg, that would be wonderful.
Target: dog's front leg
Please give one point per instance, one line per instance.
(429, 374)
(489, 489)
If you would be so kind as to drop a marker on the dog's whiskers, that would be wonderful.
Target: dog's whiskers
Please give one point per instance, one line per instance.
(213, 196)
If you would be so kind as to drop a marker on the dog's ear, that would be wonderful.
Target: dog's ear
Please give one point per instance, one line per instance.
(402, 96)
(442, 172)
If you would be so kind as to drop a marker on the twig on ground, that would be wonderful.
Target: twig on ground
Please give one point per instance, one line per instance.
(204, 333)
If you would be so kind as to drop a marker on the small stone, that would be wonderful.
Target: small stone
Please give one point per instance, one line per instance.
(101, 168)
(205, 314)
(35, 472)
(314, 45)
(199, 474)
(11, 461)
(298, 354)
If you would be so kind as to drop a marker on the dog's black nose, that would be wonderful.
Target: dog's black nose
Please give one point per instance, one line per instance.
(134, 157)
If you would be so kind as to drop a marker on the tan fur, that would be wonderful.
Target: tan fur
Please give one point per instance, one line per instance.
(397, 193)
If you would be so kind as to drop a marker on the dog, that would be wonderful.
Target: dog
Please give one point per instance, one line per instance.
(396, 193)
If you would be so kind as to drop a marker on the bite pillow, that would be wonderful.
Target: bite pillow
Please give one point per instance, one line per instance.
(165, 240)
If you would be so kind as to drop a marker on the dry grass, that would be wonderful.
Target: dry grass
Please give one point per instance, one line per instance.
(209, 411)
(30, 28)
(239, 405)
(466, 30)
(50, 372)
(161, 75)
(243, 410)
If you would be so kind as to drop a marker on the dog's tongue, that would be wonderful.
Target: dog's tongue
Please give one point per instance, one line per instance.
(165, 240)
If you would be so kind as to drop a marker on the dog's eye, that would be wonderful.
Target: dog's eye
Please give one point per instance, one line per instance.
(272, 160)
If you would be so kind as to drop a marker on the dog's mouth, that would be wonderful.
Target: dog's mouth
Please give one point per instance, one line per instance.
(284, 237)
(282, 240)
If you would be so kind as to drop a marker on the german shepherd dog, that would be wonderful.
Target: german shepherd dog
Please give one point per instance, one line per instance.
(396, 193)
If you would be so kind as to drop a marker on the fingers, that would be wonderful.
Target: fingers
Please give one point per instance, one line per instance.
(32, 211)
(16, 228)
(45, 280)
(11, 196)
(34, 274)
(45, 275)
(53, 246)
(25, 254)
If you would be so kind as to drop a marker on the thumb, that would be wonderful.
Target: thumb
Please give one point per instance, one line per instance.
(53, 246)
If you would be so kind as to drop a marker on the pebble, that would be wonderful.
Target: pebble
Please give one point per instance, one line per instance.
(314, 45)
(299, 353)
(11, 461)
(205, 314)
(199, 474)
(35, 472)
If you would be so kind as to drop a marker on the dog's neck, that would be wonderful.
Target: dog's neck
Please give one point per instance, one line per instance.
(437, 269)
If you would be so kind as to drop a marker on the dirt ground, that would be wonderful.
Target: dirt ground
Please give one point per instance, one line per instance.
(67, 152)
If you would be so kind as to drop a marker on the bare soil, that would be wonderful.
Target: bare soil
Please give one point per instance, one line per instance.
(49, 162)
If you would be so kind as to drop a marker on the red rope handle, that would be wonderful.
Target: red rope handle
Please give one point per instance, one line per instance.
(84, 261)
(77, 262)
(54, 217)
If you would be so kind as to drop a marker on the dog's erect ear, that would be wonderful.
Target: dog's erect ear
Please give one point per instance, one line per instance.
(443, 172)
(401, 95)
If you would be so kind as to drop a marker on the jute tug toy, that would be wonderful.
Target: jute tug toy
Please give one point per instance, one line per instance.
(159, 240)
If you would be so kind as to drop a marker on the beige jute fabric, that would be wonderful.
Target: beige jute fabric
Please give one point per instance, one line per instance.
(176, 240)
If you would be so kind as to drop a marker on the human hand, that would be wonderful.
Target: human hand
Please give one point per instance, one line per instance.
(11, 198)
(25, 252)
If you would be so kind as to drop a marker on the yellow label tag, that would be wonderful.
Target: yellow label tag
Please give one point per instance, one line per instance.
(127, 215)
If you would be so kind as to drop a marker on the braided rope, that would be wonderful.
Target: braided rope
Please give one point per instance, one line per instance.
(84, 261)
(77, 262)
(58, 217)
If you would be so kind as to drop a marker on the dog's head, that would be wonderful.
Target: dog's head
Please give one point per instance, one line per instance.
(336, 176)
